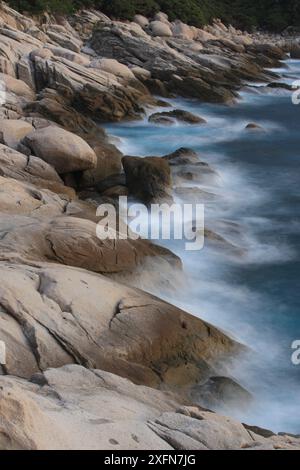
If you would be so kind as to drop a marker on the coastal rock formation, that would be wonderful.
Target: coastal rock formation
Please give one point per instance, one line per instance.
(295, 51)
(12, 131)
(68, 240)
(160, 28)
(107, 412)
(178, 115)
(31, 169)
(148, 179)
(65, 151)
(62, 315)
(253, 126)
(69, 315)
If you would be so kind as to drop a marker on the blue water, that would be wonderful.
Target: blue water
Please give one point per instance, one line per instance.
(254, 296)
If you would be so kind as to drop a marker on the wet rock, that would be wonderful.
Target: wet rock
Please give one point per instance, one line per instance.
(110, 182)
(73, 241)
(282, 85)
(148, 179)
(177, 114)
(222, 391)
(253, 126)
(295, 51)
(182, 156)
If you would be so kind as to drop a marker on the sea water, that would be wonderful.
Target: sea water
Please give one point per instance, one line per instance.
(254, 296)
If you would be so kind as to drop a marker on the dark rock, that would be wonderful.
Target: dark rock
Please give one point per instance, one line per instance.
(182, 156)
(148, 179)
(284, 86)
(252, 126)
(163, 120)
(223, 390)
(260, 431)
(111, 181)
(178, 114)
(295, 51)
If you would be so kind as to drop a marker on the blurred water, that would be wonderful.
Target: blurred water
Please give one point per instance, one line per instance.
(254, 296)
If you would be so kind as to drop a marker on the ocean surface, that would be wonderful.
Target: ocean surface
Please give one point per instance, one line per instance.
(254, 293)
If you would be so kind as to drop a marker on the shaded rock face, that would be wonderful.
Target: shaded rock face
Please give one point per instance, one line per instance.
(58, 109)
(223, 392)
(185, 66)
(253, 126)
(148, 179)
(295, 51)
(176, 114)
(182, 74)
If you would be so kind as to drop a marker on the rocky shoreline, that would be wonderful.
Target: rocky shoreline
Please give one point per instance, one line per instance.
(86, 351)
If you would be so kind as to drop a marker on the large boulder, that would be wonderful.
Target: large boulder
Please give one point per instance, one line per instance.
(148, 179)
(62, 315)
(55, 107)
(141, 20)
(158, 28)
(65, 151)
(12, 131)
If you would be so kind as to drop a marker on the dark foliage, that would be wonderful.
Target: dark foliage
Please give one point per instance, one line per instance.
(246, 14)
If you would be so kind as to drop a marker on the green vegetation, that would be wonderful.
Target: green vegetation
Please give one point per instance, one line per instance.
(246, 14)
